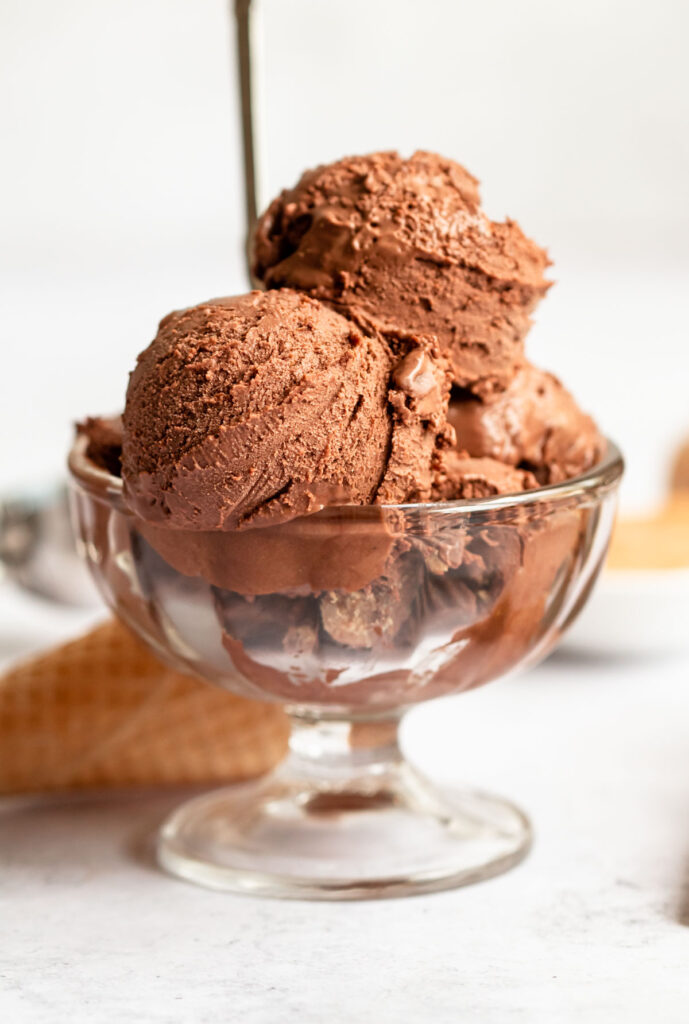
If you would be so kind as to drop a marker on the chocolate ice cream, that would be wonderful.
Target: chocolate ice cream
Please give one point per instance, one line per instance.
(535, 424)
(403, 248)
(256, 409)
(458, 477)
(104, 446)
(266, 436)
(376, 613)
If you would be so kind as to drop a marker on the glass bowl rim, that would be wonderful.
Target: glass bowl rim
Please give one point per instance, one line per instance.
(104, 487)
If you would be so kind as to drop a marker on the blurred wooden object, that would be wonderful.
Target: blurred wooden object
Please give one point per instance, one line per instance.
(679, 480)
(655, 542)
(660, 541)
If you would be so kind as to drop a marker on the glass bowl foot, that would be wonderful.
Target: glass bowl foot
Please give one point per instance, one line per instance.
(384, 834)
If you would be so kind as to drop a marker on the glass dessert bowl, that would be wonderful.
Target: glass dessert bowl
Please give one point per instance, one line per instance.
(348, 618)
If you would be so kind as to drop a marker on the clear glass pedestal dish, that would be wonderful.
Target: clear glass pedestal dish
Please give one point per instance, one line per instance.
(348, 618)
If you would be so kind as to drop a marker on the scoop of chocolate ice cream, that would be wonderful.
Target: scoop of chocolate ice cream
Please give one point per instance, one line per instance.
(403, 248)
(535, 423)
(267, 406)
(260, 406)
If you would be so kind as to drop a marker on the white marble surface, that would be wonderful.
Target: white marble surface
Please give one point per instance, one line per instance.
(593, 926)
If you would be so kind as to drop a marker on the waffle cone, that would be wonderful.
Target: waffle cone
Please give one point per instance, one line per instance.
(103, 711)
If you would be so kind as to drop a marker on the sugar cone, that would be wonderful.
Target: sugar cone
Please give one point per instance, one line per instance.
(103, 711)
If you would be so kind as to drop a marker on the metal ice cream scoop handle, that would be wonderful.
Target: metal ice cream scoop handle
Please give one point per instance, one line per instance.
(38, 549)
(242, 9)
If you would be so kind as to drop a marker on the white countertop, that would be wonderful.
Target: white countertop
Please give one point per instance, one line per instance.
(593, 926)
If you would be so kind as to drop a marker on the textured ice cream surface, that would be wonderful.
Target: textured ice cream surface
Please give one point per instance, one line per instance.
(535, 424)
(459, 477)
(418, 399)
(402, 247)
(270, 405)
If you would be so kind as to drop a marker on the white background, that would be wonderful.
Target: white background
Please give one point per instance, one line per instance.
(121, 189)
